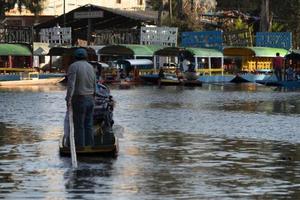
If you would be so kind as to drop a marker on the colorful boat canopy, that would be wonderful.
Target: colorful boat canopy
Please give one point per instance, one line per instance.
(130, 50)
(205, 52)
(254, 51)
(14, 50)
(171, 51)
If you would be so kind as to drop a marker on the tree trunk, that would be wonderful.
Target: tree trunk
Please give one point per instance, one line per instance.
(170, 10)
(180, 8)
(265, 16)
(160, 10)
(192, 5)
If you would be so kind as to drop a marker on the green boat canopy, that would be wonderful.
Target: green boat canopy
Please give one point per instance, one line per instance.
(189, 52)
(171, 51)
(254, 51)
(205, 52)
(14, 50)
(129, 50)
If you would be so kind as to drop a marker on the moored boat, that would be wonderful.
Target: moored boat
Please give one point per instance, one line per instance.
(31, 78)
(255, 63)
(31, 82)
(191, 83)
(285, 84)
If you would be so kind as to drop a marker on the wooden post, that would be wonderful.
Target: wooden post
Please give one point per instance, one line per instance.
(10, 62)
(209, 65)
(89, 29)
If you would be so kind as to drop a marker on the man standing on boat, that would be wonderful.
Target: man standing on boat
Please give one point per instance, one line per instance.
(278, 63)
(80, 97)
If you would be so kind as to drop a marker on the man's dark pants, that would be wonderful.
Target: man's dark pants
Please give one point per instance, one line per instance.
(83, 108)
(278, 74)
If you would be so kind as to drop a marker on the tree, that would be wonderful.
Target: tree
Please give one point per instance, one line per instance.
(160, 8)
(265, 18)
(288, 13)
(5, 6)
(34, 6)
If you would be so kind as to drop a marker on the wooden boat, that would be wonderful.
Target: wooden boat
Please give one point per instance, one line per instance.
(169, 82)
(102, 148)
(286, 84)
(105, 143)
(32, 82)
(258, 75)
(150, 78)
(191, 83)
(256, 62)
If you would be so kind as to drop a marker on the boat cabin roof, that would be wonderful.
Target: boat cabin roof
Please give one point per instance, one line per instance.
(268, 52)
(129, 50)
(137, 62)
(14, 50)
(205, 52)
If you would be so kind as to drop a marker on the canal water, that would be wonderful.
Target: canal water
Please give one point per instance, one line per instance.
(235, 141)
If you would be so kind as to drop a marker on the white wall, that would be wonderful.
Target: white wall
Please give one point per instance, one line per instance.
(55, 7)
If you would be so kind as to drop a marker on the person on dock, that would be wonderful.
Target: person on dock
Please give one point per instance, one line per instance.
(81, 90)
(278, 63)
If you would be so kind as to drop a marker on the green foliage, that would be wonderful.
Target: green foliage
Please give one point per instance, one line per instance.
(277, 27)
(183, 25)
(240, 25)
(242, 5)
(34, 6)
(5, 6)
(285, 14)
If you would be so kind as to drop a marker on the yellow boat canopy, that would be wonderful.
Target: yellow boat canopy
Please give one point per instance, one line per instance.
(254, 51)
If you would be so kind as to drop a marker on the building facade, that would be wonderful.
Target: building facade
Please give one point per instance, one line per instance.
(56, 7)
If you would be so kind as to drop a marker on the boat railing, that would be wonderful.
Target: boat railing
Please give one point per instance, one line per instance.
(15, 70)
(29, 76)
(210, 72)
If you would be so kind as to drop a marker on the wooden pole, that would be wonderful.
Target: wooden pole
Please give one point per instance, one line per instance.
(72, 139)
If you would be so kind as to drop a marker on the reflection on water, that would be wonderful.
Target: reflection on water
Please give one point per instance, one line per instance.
(215, 142)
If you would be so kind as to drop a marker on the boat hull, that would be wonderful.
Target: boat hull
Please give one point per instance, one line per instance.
(192, 83)
(169, 82)
(216, 78)
(98, 150)
(286, 84)
(250, 77)
(150, 78)
(31, 82)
